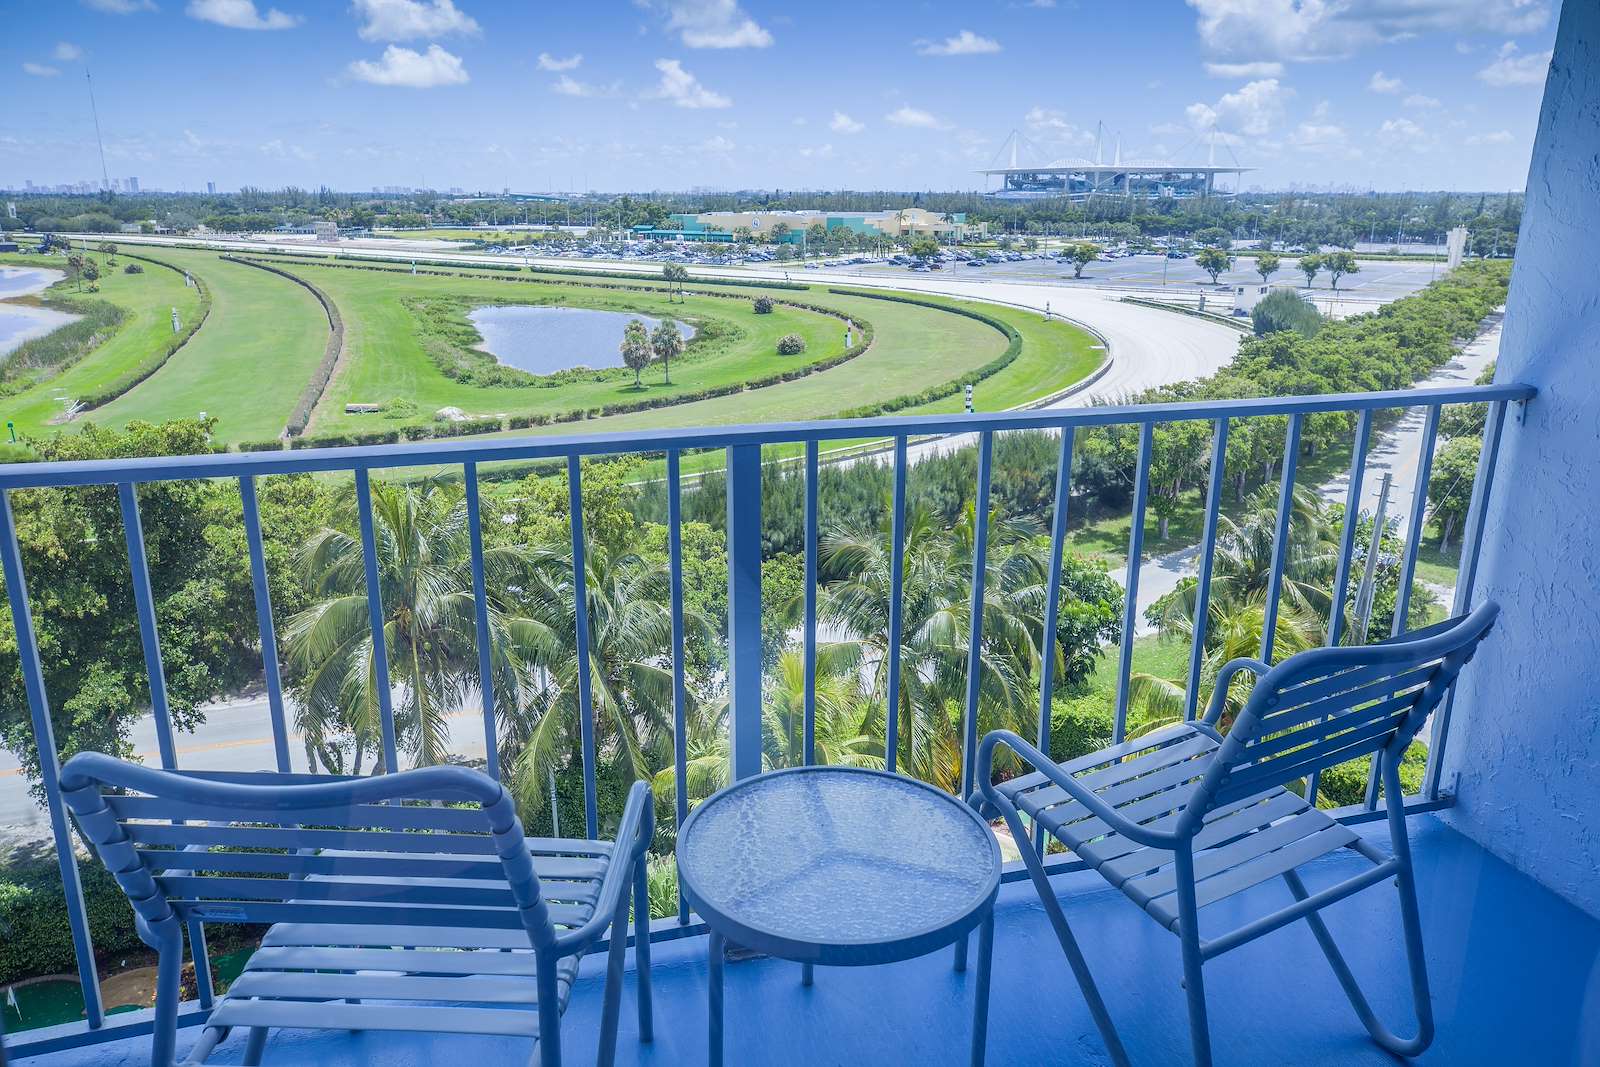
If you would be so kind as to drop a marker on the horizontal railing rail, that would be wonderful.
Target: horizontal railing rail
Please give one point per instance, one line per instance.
(744, 679)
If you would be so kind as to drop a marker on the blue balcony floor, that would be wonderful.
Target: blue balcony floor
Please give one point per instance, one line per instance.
(1514, 973)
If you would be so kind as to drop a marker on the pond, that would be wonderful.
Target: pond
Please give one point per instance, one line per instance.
(543, 340)
(23, 322)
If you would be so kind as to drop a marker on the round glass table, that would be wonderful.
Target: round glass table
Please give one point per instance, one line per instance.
(840, 866)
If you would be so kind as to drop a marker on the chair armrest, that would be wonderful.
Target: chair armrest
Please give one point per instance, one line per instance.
(1219, 692)
(633, 840)
(1071, 786)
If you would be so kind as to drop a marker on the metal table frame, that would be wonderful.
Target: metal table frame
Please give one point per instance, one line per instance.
(725, 927)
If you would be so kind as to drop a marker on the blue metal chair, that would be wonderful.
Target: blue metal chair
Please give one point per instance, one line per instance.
(1187, 817)
(408, 901)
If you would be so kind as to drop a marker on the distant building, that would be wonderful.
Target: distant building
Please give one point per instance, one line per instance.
(1455, 247)
(1082, 180)
(133, 185)
(1246, 297)
(762, 225)
(327, 231)
(211, 188)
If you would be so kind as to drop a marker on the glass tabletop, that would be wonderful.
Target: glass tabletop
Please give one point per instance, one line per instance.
(837, 856)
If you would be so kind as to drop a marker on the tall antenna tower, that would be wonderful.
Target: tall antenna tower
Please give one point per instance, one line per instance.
(105, 175)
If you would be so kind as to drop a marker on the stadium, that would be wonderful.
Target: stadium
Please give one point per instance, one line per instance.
(1081, 180)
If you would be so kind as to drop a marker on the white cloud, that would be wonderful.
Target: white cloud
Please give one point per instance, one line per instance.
(1251, 30)
(1420, 101)
(1514, 68)
(1495, 137)
(684, 89)
(240, 15)
(119, 7)
(1315, 135)
(1053, 125)
(965, 43)
(278, 149)
(67, 52)
(411, 70)
(1403, 133)
(550, 62)
(913, 117)
(406, 20)
(711, 23)
(821, 151)
(1244, 70)
(39, 70)
(718, 145)
(567, 85)
(1382, 83)
(1251, 110)
(843, 123)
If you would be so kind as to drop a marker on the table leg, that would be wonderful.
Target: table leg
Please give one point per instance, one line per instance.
(714, 993)
(980, 992)
(961, 953)
(805, 974)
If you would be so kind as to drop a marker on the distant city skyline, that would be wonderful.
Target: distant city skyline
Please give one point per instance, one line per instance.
(674, 95)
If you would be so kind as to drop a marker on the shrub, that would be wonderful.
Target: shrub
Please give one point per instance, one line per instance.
(1285, 309)
(791, 344)
(274, 445)
(133, 268)
(763, 305)
(1346, 783)
(33, 917)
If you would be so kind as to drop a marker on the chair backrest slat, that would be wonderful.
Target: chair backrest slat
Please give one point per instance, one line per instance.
(1331, 705)
(255, 848)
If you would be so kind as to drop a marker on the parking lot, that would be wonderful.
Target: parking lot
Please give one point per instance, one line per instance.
(1377, 282)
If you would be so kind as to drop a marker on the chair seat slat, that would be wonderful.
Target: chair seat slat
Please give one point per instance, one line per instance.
(376, 816)
(293, 934)
(339, 1015)
(563, 868)
(273, 911)
(405, 960)
(1224, 857)
(1259, 777)
(461, 989)
(448, 892)
(1163, 737)
(1221, 826)
(1344, 704)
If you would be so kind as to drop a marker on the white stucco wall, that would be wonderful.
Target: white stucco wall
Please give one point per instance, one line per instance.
(1526, 736)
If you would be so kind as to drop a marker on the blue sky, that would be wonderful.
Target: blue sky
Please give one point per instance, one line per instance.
(674, 94)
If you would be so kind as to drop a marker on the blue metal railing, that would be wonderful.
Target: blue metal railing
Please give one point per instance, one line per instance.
(743, 445)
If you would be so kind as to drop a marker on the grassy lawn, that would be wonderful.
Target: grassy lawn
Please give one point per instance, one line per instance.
(149, 299)
(1436, 566)
(247, 365)
(386, 358)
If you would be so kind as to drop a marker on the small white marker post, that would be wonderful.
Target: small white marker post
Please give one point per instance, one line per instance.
(969, 399)
(188, 282)
(174, 320)
(848, 341)
(1047, 311)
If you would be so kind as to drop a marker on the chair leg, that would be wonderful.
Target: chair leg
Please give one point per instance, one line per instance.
(611, 1010)
(1410, 920)
(549, 1011)
(254, 1046)
(1058, 921)
(1194, 985)
(210, 1038)
(169, 970)
(641, 946)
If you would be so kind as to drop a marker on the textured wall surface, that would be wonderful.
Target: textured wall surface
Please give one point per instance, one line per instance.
(1526, 734)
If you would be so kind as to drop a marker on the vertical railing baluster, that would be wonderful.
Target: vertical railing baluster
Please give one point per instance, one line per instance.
(580, 616)
(266, 628)
(1280, 537)
(980, 553)
(1347, 547)
(897, 570)
(744, 610)
(1052, 602)
(1408, 562)
(149, 636)
(1202, 589)
(1130, 593)
(680, 727)
(375, 621)
(480, 605)
(155, 673)
(813, 500)
(1352, 519)
(1466, 577)
(44, 743)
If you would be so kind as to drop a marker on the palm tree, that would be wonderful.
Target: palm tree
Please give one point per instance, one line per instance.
(430, 634)
(630, 635)
(935, 626)
(667, 343)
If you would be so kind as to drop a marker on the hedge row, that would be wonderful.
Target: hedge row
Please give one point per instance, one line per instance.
(943, 389)
(331, 352)
(119, 385)
(35, 937)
